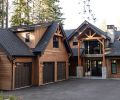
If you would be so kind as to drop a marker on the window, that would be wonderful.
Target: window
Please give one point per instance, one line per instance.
(55, 42)
(75, 41)
(114, 67)
(27, 38)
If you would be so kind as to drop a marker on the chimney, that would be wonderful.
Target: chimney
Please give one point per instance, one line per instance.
(111, 32)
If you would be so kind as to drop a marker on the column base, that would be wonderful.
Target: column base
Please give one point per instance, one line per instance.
(104, 72)
(79, 71)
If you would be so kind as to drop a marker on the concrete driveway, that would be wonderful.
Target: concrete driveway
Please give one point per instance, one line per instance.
(73, 89)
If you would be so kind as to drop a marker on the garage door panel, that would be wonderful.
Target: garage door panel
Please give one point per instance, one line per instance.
(23, 74)
(61, 70)
(48, 72)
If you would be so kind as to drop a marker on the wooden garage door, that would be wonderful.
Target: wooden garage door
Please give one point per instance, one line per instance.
(23, 72)
(61, 70)
(48, 72)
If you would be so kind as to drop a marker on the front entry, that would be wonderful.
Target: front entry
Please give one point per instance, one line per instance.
(93, 68)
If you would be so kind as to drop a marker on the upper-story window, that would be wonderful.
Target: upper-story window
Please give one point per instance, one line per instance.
(27, 38)
(55, 42)
(75, 41)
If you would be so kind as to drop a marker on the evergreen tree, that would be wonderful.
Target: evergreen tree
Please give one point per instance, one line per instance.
(21, 12)
(47, 11)
(4, 13)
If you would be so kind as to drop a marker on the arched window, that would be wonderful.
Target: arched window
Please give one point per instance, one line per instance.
(55, 42)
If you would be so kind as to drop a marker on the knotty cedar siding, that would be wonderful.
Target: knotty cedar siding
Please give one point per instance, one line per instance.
(5, 71)
(53, 55)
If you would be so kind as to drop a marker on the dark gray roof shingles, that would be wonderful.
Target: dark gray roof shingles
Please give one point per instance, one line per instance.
(115, 47)
(13, 45)
(46, 37)
(97, 30)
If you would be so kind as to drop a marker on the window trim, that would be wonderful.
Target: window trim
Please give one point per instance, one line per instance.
(55, 41)
(27, 38)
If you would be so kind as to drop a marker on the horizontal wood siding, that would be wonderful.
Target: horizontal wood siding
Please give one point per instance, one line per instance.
(53, 55)
(5, 71)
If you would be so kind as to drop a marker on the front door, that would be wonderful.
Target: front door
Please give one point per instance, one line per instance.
(93, 68)
(96, 68)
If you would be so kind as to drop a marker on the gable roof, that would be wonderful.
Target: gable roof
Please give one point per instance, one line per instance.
(13, 45)
(68, 32)
(115, 46)
(42, 44)
(86, 24)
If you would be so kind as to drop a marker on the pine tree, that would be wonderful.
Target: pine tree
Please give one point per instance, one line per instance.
(47, 11)
(21, 13)
(4, 13)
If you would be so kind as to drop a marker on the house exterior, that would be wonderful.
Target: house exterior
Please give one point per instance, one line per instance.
(95, 52)
(33, 55)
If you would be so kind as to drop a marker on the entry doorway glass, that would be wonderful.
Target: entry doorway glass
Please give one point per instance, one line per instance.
(93, 68)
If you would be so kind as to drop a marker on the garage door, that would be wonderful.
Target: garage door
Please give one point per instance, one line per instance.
(48, 72)
(23, 72)
(61, 70)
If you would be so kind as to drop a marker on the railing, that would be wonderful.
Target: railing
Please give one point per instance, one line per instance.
(93, 55)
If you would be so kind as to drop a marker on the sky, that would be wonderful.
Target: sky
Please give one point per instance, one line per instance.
(104, 10)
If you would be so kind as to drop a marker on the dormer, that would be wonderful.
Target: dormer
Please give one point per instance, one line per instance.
(30, 34)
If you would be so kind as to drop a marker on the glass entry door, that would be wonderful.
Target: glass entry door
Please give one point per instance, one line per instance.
(96, 67)
(93, 68)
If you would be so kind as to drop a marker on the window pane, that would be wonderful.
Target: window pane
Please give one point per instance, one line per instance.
(114, 68)
(55, 42)
(75, 43)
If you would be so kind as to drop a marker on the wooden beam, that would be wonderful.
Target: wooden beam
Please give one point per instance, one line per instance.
(93, 34)
(90, 33)
(87, 35)
(104, 62)
(100, 42)
(60, 35)
(79, 60)
(92, 38)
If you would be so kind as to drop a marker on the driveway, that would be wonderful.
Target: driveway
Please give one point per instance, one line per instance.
(73, 89)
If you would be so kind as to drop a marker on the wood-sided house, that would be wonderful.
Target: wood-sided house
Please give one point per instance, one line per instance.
(33, 55)
(96, 53)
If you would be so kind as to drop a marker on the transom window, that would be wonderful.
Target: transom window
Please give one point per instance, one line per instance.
(55, 42)
(27, 38)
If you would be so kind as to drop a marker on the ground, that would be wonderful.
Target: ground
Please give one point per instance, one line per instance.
(73, 89)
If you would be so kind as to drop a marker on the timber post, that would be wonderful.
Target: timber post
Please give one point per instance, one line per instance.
(104, 69)
(79, 67)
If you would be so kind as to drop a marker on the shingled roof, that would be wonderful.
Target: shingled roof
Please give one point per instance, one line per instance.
(86, 24)
(42, 44)
(68, 32)
(13, 45)
(115, 46)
